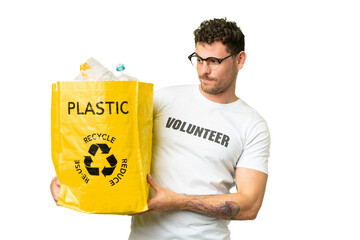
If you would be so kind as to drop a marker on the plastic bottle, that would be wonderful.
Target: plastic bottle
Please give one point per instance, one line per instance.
(120, 68)
(92, 70)
(122, 76)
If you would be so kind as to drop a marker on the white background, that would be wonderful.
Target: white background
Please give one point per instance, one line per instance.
(301, 75)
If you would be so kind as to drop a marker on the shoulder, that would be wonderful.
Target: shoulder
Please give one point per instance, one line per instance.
(249, 113)
(173, 90)
(170, 94)
(250, 122)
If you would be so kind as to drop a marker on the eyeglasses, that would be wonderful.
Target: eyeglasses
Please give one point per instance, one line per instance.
(212, 62)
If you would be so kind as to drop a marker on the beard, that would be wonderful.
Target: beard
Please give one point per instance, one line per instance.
(215, 86)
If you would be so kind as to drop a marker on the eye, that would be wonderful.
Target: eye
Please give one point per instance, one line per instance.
(212, 61)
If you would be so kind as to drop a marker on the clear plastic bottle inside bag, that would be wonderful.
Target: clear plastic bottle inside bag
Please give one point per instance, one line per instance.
(92, 70)
(122, 76)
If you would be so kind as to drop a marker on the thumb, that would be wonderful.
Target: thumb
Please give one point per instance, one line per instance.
(152, 182)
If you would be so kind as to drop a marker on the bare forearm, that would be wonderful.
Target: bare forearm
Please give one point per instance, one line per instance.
(218, 209)
(243, 205)
(227, 206)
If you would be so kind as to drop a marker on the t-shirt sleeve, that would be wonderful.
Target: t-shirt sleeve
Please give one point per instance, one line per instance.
(158, 102)
(257, 148)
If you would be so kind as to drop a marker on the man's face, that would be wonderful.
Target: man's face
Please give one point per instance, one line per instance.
(222, 79)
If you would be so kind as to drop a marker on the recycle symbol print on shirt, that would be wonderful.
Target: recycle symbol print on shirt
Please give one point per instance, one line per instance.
(102, 150)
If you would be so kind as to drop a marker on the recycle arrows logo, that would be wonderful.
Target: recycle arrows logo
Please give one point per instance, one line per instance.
(106, 171)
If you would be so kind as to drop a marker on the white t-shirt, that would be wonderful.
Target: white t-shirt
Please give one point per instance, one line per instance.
(197, 146)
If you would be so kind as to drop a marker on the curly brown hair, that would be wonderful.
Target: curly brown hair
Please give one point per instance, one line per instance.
(221, 30)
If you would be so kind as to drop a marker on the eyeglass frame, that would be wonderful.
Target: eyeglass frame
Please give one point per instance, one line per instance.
(219, 60)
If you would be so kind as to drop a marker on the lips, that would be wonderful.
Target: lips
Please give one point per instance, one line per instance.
(206, 79)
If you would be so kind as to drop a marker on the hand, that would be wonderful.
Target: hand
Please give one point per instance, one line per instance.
(164, 199)
(55, 188)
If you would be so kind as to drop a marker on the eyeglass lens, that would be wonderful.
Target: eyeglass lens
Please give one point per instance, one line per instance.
(211, 62)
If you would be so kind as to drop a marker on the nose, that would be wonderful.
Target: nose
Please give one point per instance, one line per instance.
(203, 68)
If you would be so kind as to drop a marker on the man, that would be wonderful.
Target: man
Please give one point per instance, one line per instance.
(206, 140)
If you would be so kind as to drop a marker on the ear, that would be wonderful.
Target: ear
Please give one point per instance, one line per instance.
(241, 57)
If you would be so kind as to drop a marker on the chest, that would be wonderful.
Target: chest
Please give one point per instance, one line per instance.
(212, 135)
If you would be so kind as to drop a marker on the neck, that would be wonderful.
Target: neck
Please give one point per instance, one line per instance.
(222, 98)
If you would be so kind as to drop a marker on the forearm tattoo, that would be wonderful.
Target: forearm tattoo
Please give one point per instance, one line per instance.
(226, 210)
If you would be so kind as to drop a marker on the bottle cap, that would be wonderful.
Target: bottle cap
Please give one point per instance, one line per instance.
(120, 67)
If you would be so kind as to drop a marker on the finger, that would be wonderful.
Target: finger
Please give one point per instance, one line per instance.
(55, 188)
(150, 206)
(140, 213)
(152, 182)
(57, 181)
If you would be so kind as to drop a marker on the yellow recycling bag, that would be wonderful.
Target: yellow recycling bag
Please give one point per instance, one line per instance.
(101, 134)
